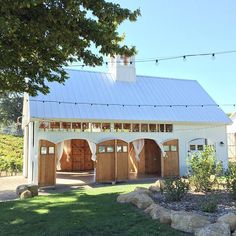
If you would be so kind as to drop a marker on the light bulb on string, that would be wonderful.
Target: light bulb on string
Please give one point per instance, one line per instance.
(213, 56)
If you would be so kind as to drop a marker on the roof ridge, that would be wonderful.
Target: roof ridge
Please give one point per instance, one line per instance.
(146, 76)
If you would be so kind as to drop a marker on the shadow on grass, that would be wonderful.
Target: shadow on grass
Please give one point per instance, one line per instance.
(84, 212)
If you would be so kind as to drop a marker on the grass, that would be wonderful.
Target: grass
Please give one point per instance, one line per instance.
(82, 212)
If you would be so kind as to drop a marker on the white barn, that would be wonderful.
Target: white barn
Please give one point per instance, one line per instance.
(231, 132)
(120, 125)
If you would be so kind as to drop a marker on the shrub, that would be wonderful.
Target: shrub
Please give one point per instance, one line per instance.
(175, 189)
(11, 149)
(202, 166)
(210, 204)
(230, 176)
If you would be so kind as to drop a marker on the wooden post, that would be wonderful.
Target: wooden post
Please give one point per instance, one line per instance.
(116, 160)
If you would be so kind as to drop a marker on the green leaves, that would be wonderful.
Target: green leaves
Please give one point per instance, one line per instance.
(38, 38)
(11, 151)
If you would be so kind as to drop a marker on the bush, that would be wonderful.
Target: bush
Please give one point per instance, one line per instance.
(11, 149)
(210, 204)
(202, 166)
(175, 189)
(230, 176)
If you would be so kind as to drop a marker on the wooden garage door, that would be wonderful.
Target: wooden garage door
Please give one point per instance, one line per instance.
(112, 161)
(171, 160)
(47, 164)
(105, 166)
(122, 160)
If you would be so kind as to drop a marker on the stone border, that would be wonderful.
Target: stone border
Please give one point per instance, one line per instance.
(180, 220)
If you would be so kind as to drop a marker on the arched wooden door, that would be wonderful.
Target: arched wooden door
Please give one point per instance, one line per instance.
(112, 161)
(47, 164)
(171, 159)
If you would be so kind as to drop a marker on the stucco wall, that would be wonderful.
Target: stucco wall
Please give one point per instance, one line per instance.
(183, 132)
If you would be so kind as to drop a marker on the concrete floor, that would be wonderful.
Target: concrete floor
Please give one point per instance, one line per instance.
(65, 181)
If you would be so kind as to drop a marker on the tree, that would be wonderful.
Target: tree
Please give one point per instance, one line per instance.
(11, 105)
(39, 38)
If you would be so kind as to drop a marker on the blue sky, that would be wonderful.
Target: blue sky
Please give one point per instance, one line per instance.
(170, 28)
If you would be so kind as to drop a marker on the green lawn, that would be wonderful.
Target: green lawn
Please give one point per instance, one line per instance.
(82, 212)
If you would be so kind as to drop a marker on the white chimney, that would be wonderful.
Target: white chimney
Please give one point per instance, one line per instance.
(122, 68)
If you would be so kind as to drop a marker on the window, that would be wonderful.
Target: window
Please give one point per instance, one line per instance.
(126, 127)
(192, 147)
(166, 148)
(125, 148)
(101, 149)
(106, 127)
(85, 127)
(76, 126)
(44, 125)
(173, 148)
(135, 127)
(152, 127)
(169, 128)
(65, 125)
(144, 127)
(119, 149)
(51, 150)
(110, 149)
(96, 127)
(200, 147)
(43, 150)
(55, 125)
(162, 128)
(118, 127)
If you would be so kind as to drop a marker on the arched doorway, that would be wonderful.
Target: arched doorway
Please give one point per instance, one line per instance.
(76, 156)
(149, 163)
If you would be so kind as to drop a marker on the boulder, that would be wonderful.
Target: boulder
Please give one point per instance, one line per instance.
(158, 212)
(31, 187)
(25, 194)
(20, 189)
(154, 188)
(139, 199)
(165, 216)
(216, 229)
(34, 189)
(187, 221)
(230, 219)
(153, 211)
(142, 190)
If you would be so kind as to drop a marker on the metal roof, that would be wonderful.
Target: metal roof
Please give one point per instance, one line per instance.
(100, 88)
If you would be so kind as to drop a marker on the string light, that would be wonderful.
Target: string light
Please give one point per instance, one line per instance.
(130, 105)
(158, 59)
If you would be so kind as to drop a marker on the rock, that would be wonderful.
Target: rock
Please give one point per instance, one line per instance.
(153, 211)
(142, 190)
(34, 189)
(25, 194)
(165, 216)
(230, 219)
(31, 187)
(139, 199)
(158, 212)
(216, 229)
(187, 221)
(20, 189)
(154, 188)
